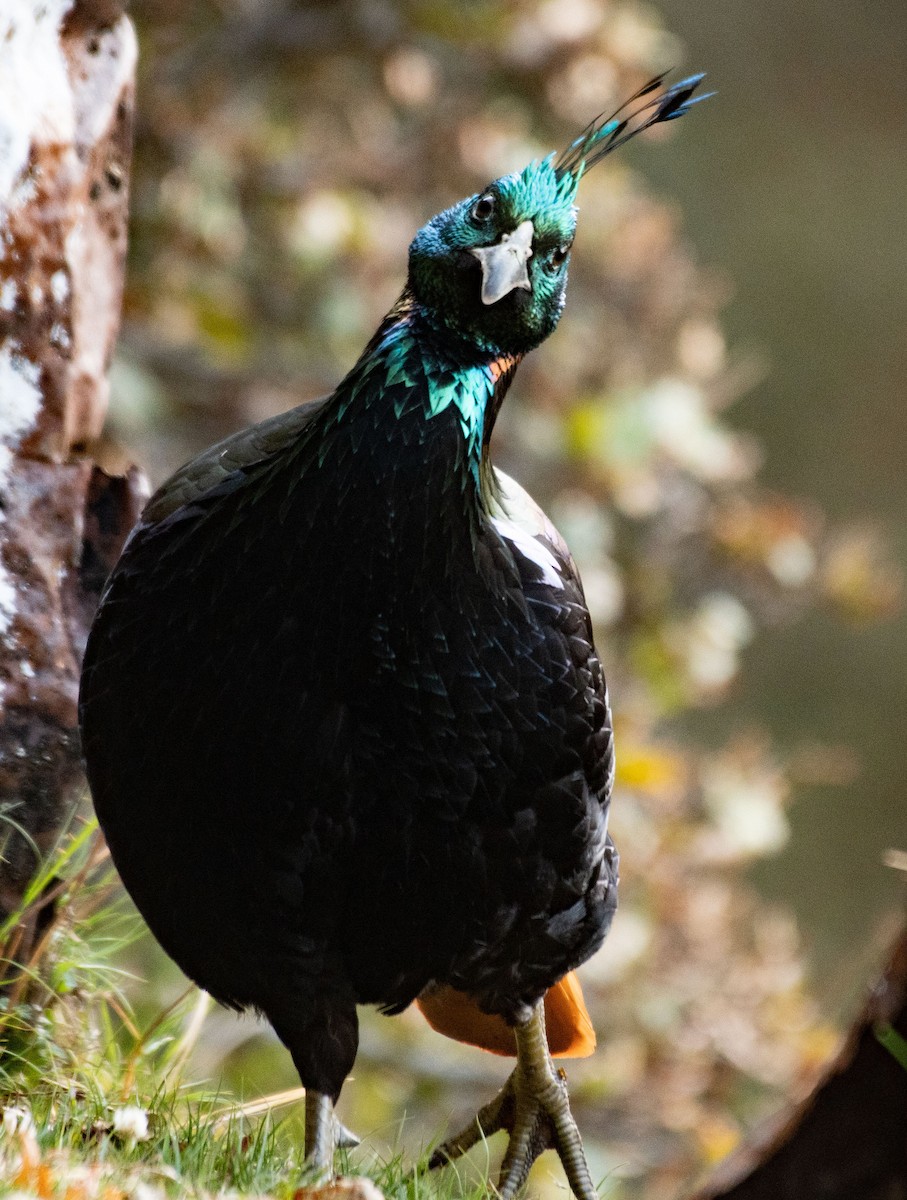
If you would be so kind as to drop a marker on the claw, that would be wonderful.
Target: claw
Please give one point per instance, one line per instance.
(534, 1109)
(498, 1114)
(345, 1139)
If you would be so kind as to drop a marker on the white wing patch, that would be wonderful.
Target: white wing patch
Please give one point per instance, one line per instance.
(530, 548)
(520, 520)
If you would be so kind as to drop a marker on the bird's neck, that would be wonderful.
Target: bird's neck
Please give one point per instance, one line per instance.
(415, 361)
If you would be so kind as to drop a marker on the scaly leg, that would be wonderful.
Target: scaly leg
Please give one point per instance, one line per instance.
(319, 1133)
(534, 1109)
(324, 1133)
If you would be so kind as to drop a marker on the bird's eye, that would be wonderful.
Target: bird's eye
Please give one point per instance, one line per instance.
(483, 207)
(558, 256)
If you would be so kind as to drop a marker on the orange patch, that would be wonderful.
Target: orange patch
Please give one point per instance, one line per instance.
(570, 1032)
(500, 365)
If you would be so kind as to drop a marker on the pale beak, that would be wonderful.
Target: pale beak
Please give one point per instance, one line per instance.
(504, 264)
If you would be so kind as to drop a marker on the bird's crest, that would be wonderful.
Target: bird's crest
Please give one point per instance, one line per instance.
(551, 185)
(604, 134)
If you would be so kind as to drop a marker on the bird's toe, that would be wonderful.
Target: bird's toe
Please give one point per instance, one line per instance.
(534, 1110)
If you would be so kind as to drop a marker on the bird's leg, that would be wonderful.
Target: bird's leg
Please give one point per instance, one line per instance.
(324, 1133)
(534, 1109)
(319, 1133)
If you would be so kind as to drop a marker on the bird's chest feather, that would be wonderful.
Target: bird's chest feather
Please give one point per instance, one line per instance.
(392, 639)
(446, 637)
(438, 628)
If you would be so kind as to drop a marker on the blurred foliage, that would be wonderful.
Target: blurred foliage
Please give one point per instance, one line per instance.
(93, 1100)
(285, 155)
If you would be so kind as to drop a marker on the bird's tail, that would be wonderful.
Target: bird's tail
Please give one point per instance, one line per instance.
(570, 1032)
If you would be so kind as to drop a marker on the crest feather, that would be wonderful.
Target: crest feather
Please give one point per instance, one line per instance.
(606, 133)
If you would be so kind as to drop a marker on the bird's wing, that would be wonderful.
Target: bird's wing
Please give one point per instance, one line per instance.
(518, 518)
(520, 521)
(234, 454)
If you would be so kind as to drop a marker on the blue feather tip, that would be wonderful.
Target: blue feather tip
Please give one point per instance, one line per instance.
(679, 98)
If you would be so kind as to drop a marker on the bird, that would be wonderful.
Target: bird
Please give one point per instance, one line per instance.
(344, 723)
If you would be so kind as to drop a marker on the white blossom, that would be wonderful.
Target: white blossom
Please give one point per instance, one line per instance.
(16, 1119)
(131, 1122)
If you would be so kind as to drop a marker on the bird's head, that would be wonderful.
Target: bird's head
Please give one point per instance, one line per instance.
(493, 268)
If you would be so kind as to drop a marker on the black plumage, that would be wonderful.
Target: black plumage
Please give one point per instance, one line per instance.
(345, 726)
(343, 737)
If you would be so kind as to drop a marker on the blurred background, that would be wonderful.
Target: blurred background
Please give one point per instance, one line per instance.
(718, 428)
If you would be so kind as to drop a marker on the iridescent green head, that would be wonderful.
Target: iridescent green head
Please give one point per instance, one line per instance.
(493, 268)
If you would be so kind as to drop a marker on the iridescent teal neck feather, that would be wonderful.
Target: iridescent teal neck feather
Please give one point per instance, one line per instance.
(409, 351)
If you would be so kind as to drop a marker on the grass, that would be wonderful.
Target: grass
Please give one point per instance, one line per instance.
(95, 1105)
(78, 1146)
